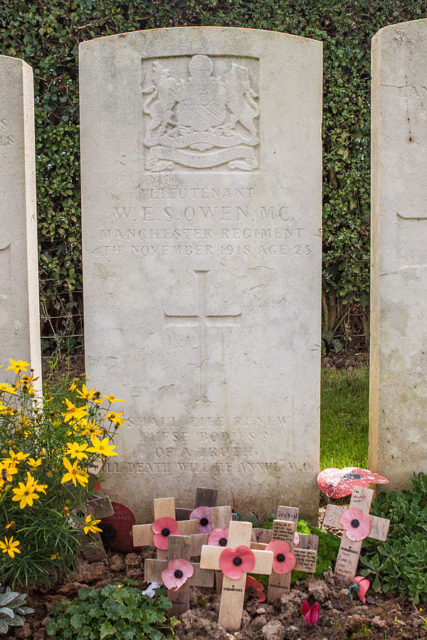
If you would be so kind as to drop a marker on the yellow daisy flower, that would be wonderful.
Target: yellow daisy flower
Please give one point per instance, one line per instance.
(102, 447)
(5, 388)
(75, 474)
(17, 365)
(73, 412)
(91, 525)
(76, 450)
(10, 546)
(34, 463)
(91, 429)
(25, 494)
(85, 394)
(111, 399)
(115, 417)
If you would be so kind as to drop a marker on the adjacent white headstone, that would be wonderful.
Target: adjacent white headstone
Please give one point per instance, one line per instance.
(201, 185)
(398, 402)
(19, 293)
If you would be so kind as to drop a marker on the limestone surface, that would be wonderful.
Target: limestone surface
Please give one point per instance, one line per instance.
(201, 187)
(19, 294)
(398, 390)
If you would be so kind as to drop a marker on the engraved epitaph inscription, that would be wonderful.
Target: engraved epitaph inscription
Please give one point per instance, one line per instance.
(200, 113)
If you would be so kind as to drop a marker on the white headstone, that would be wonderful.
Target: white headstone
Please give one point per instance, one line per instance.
(398, 394)
(201, 184)
(19, 293)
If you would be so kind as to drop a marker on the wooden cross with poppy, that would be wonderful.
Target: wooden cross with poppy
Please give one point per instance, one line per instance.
(289, 554)
(178, 574)
(358, 524)
(164, 525)
(205, 497)
(235, 560)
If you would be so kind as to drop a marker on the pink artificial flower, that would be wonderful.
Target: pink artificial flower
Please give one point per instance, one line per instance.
(283, 560)
(177, 573)
(360, 585)
(218, 538)
(356, 524)
(203, 515)
(235, 562)
(310, 610)
(255, 589)
(162, 529)
(296, 539)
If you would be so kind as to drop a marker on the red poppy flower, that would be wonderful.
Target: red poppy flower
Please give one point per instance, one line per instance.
(218, 538)
(360, 585)
(283, 560)
(235, 562)
(357, 524)
(337, 483)
(255, 589)
(162, 529)
(203, 515)
(310, 610)
(177, 573)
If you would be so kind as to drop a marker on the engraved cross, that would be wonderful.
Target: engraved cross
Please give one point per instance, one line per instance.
(203, 320)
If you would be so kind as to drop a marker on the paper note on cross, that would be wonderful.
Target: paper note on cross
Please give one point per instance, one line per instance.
(300, 556)
(235, 560)
(164, 525)
(358, 524)
(180, 571)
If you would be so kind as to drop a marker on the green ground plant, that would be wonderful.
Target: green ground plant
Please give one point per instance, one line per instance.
(115, 611)
(12, 609)
(48, 446)
(399, 563)
(344, 418)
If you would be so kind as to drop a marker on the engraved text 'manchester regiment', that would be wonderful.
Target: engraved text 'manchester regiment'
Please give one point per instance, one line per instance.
(201, 121)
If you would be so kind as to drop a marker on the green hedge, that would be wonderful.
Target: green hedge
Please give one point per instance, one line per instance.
(46, 34)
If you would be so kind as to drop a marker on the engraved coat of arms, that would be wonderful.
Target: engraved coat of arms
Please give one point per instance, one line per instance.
(200, 121)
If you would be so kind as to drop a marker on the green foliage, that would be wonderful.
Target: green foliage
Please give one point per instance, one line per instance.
(399, 563)
(12, 609)
(115, 611)
(46, 34)
(41, 516)
(344, 418)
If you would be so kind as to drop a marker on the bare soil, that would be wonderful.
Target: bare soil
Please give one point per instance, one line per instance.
(386, 618)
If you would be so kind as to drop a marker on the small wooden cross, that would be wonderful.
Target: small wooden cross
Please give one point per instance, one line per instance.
(179, 547)
(93, 548)
(205, 497)
(284, 528)
(349, 552)
(163, 508)
(233, 591)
